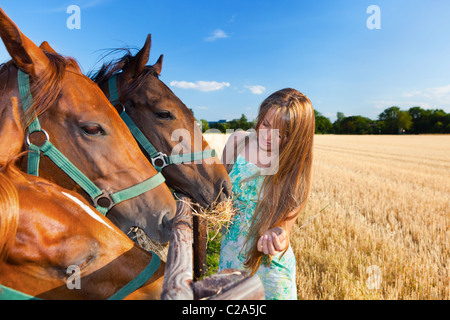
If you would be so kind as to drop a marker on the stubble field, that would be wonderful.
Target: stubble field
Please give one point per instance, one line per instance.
(385, 233)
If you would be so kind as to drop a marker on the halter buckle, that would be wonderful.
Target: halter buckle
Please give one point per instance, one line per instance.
(162, 157)
(105, 196)
(47, 137)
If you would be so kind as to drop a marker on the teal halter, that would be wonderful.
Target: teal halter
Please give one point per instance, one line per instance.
(146, 145)
(49, 150)
(11, 294)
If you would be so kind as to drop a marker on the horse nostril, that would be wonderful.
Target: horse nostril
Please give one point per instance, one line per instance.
(226, 190)
(165, 225)
(167, 222)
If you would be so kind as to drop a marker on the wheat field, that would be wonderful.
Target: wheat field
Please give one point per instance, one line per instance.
(385, 231)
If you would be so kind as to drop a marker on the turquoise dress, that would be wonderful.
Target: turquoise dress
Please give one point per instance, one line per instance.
(279, 277)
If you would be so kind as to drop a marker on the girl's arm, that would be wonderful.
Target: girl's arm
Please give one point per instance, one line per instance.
(276, 240)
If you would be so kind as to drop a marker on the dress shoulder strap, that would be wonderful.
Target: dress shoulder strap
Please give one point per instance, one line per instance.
(241, 142)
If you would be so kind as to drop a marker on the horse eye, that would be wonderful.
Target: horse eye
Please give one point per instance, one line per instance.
(166, 115)
(93, 130)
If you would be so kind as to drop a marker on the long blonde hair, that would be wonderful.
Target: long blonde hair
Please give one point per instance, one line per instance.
(284, 194)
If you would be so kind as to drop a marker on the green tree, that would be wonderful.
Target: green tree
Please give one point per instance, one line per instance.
(337, 125)
(420, 120)
(429, 121)
(223, 127)
(404, 121)
(205, 125)
(395, 120)
(323, 124)
(438, 121)
(354, 125)
(243, 123)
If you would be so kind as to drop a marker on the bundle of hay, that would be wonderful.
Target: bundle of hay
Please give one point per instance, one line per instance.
(217, 217)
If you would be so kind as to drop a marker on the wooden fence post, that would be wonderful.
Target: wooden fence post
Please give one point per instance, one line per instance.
(178, 276)
(177, 283)
(200, 246)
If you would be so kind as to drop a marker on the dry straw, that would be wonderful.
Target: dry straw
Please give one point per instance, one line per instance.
(217, 215)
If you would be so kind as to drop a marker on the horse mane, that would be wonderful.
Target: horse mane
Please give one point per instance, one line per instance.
(9, 208)
(47, 88)
(114, 67)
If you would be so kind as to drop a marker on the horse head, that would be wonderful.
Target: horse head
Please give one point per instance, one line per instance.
(167, 124)
(83, 125)
(54, 245)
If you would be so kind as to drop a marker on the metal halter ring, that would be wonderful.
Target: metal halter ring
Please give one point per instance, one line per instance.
(106, 196)
(47, 137)
(123, 107)
(161, 156)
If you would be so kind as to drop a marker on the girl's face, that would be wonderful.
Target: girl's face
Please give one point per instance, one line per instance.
(268, 134)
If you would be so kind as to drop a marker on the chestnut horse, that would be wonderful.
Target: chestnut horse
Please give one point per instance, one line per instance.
(82, 124)
(163, 119)
(158, 119)
(54, 245)
(46, 232)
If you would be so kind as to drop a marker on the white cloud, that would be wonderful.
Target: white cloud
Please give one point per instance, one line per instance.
(256, 89)
(217, 34)
(430, 98)
(403, 104)
(441, 94)
(204, 86)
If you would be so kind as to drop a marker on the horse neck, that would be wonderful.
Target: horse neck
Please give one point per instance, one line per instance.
(9, 219)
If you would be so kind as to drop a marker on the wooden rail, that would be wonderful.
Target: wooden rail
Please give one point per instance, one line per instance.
(178, 272)
(178, 278)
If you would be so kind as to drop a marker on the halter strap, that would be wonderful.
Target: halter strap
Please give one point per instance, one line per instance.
(140, 280)
(11, 294)
(7, 293)
(155, 156)
(113, 92)
(49, 150)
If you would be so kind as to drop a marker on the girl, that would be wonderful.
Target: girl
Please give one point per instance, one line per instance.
(270, 171)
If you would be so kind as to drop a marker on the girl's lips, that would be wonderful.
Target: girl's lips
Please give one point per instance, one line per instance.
(264, 142)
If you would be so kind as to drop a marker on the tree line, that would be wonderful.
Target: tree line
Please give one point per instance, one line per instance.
(392, 120)
(235, 124)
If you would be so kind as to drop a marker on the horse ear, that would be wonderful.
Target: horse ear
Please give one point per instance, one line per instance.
(46, 47)
(27, 56)
(158, 65)
(11, 131)
(137, 64)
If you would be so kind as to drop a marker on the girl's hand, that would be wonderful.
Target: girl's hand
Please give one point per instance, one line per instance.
(273, 241)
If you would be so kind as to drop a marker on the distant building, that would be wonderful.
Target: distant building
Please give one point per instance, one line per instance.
(212, 123)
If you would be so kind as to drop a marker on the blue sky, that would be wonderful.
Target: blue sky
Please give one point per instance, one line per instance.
(223, 58)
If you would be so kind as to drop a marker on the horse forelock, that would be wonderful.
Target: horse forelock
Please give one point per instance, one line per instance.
(114, 67)
(47, 88)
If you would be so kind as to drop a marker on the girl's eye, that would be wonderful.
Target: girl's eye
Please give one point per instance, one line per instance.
(93, 130)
